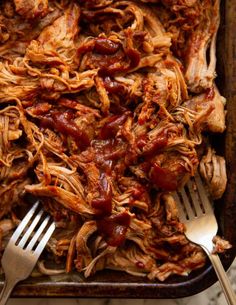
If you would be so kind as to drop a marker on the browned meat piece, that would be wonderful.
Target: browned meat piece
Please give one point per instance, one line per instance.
(17, 84)
(95, 3)
(221, 244)
(209, 110)
(11, 195)
(83, 253)
(200, 70)
(213, 170)
(4, 34)
(196, 260)
(56, 43)
(175, 4)
(17, 35)
(132, 260)
(31, 9)
(69, 200)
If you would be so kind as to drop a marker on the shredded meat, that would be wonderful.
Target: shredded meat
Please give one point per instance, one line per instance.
(103, 107)
(213, 170)
(31, 8)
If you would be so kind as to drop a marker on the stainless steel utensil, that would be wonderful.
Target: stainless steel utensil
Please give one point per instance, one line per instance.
(196, 212)
(24, 248)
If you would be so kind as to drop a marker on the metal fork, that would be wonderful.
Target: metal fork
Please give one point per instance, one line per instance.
(22, 252)
(196, 212)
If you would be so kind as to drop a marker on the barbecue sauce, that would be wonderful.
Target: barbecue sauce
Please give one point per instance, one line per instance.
(155, 145)
(163, 178)
(103, 204)
(112, 126)
(63, 122)
(114, 228)
(113, 86)
(105, 46)
(210, 94)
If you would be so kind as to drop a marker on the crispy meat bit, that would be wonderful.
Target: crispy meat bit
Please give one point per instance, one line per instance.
(31, 9)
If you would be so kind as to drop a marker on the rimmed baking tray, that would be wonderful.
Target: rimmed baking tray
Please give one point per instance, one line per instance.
(120, 285)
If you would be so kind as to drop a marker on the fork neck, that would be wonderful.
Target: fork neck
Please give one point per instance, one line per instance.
(7, 289)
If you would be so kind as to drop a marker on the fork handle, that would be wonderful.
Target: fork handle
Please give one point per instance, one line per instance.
(223, 279)
(6, 290)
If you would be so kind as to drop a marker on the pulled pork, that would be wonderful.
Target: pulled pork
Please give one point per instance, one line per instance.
(102, 108)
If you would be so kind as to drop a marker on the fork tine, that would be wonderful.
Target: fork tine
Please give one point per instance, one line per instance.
(195, 198)
(30, 229)
(186, 203)
(24, 223)
(202, 194)
(44, 240)
(38, 233)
